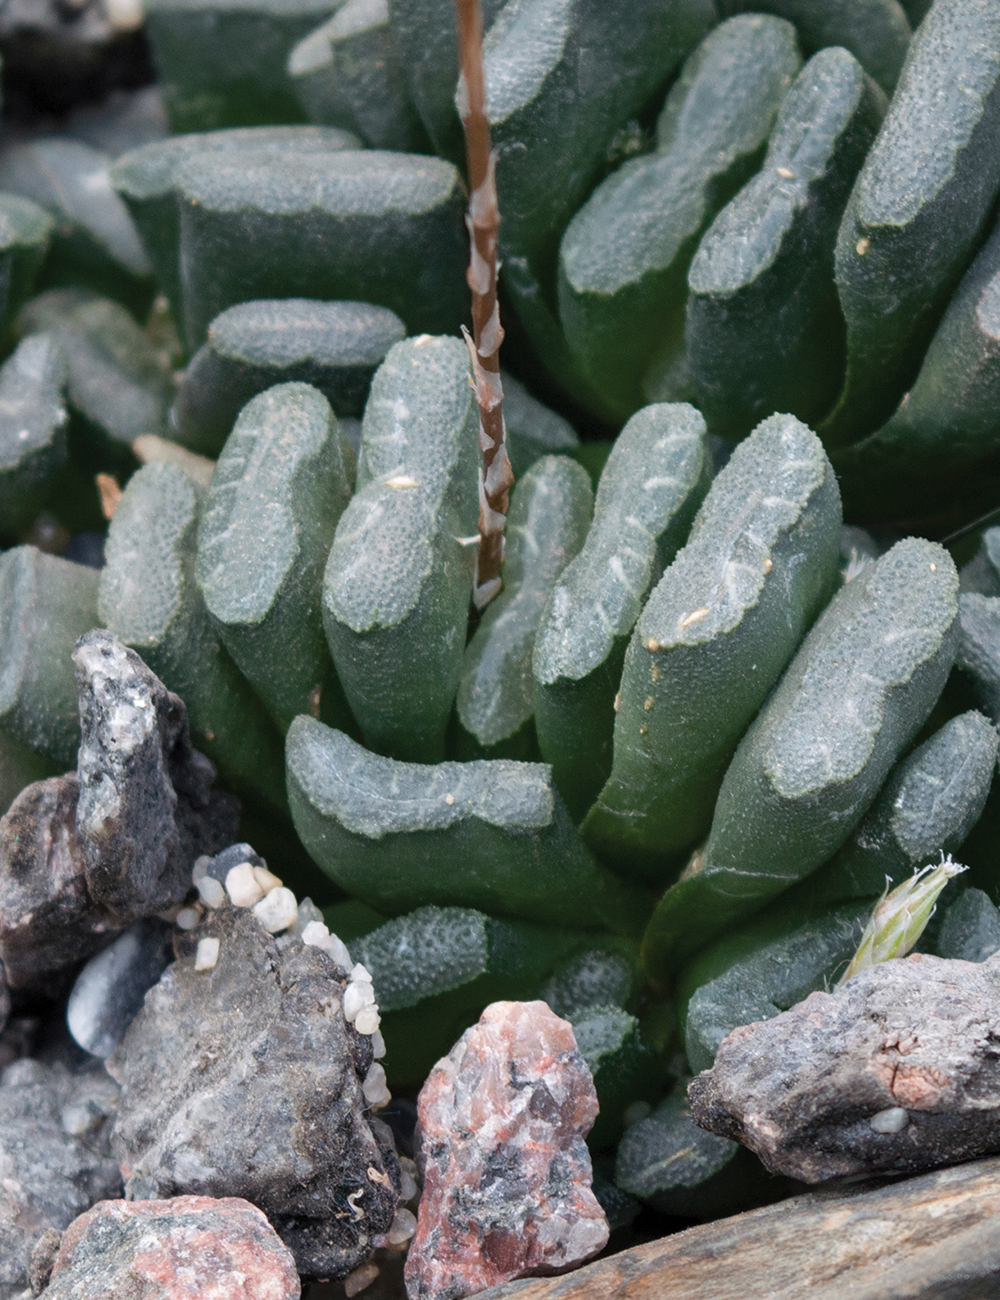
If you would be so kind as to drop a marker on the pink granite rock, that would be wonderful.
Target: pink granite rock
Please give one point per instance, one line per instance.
(188, 1248)
(501, 1123)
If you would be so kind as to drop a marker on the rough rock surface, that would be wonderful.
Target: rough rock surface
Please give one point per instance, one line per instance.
(507, 1174)
(182, 1249)
(246, 1080)
(83, 856)
(52, 1166)
(898, 1070)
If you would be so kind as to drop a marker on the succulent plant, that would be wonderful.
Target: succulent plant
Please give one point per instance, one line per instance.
(662, 779)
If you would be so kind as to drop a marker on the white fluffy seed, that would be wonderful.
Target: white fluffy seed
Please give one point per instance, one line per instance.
(891, 1120)
(187, 918)
(266, 879)
(277, 910)
(210, 891)
(378, 1045)
(242, 886)
(404, 1225)
(367, 1021)
(207, 954)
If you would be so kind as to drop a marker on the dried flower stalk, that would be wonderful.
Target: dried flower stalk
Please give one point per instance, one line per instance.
(483, 221)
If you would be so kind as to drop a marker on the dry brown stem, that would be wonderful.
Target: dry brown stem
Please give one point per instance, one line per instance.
(483, 221)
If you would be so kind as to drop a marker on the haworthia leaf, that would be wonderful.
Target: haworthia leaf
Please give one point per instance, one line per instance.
(763, 331)
(550, 511)
(347, 73)
(399, 576)
(979, 647)
(366, 224)
(970, 930)
(928, 806)
(763, 969)
(533, 429)
(917, 209)
(950, 418)
(19, 767)
(336, 346)
(25, 234)
(624, 1069)
(94, 241)
(435, 969)
(491, 834)
(624, 257)
(876, 32)
(46, 604)
(32, 430)
(732, 608)
(115, 381)
(146, 178)
(812, 763)
(653, 482)
(276, 495)
(149, 599)
(562, 76)
(423, 33)
(223, 64)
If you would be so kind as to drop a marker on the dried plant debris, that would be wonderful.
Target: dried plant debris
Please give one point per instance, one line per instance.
(897, 1071)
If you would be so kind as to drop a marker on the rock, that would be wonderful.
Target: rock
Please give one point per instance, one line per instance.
(109, 990)
(502, 1122)
(84, 856)
(244, 1079)
(52, 1166)
(173, 1250)
(924, 1239)
(897, 1071)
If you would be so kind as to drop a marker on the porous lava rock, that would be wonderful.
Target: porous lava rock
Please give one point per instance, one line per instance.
(83, 856)
(188, 1248)
(896, 1071)
(52, 1165)
(507, 1176)
(246, 1080)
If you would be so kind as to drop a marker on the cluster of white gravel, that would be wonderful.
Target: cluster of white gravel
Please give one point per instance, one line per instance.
(279, 912)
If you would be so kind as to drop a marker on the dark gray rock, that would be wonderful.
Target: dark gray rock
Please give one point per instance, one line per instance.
(109, 990)
(84, 856)
(220, 864)
(146, 808)
(246, 1080)
(897, 1071)
(53, 1167)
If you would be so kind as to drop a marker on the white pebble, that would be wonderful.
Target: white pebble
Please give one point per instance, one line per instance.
(357, 996)
(125, 15)
(378, 1045)
(338, 951)
(404, 1225)
(266, 879)
(207, 954)
(242, 886)
(210, 891)
(277, 910)
(187, 918)
(200, 868)
(316, 935)
(359, 972)
(892, 1120)
(374, 1087)
(409, 1188)
(367, 1021)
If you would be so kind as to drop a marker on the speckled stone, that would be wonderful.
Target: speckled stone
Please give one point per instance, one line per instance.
(507, 1174)
(246, 1080)
(186, 1248)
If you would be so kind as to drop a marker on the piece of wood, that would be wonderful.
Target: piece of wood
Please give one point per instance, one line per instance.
(931, 1238)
